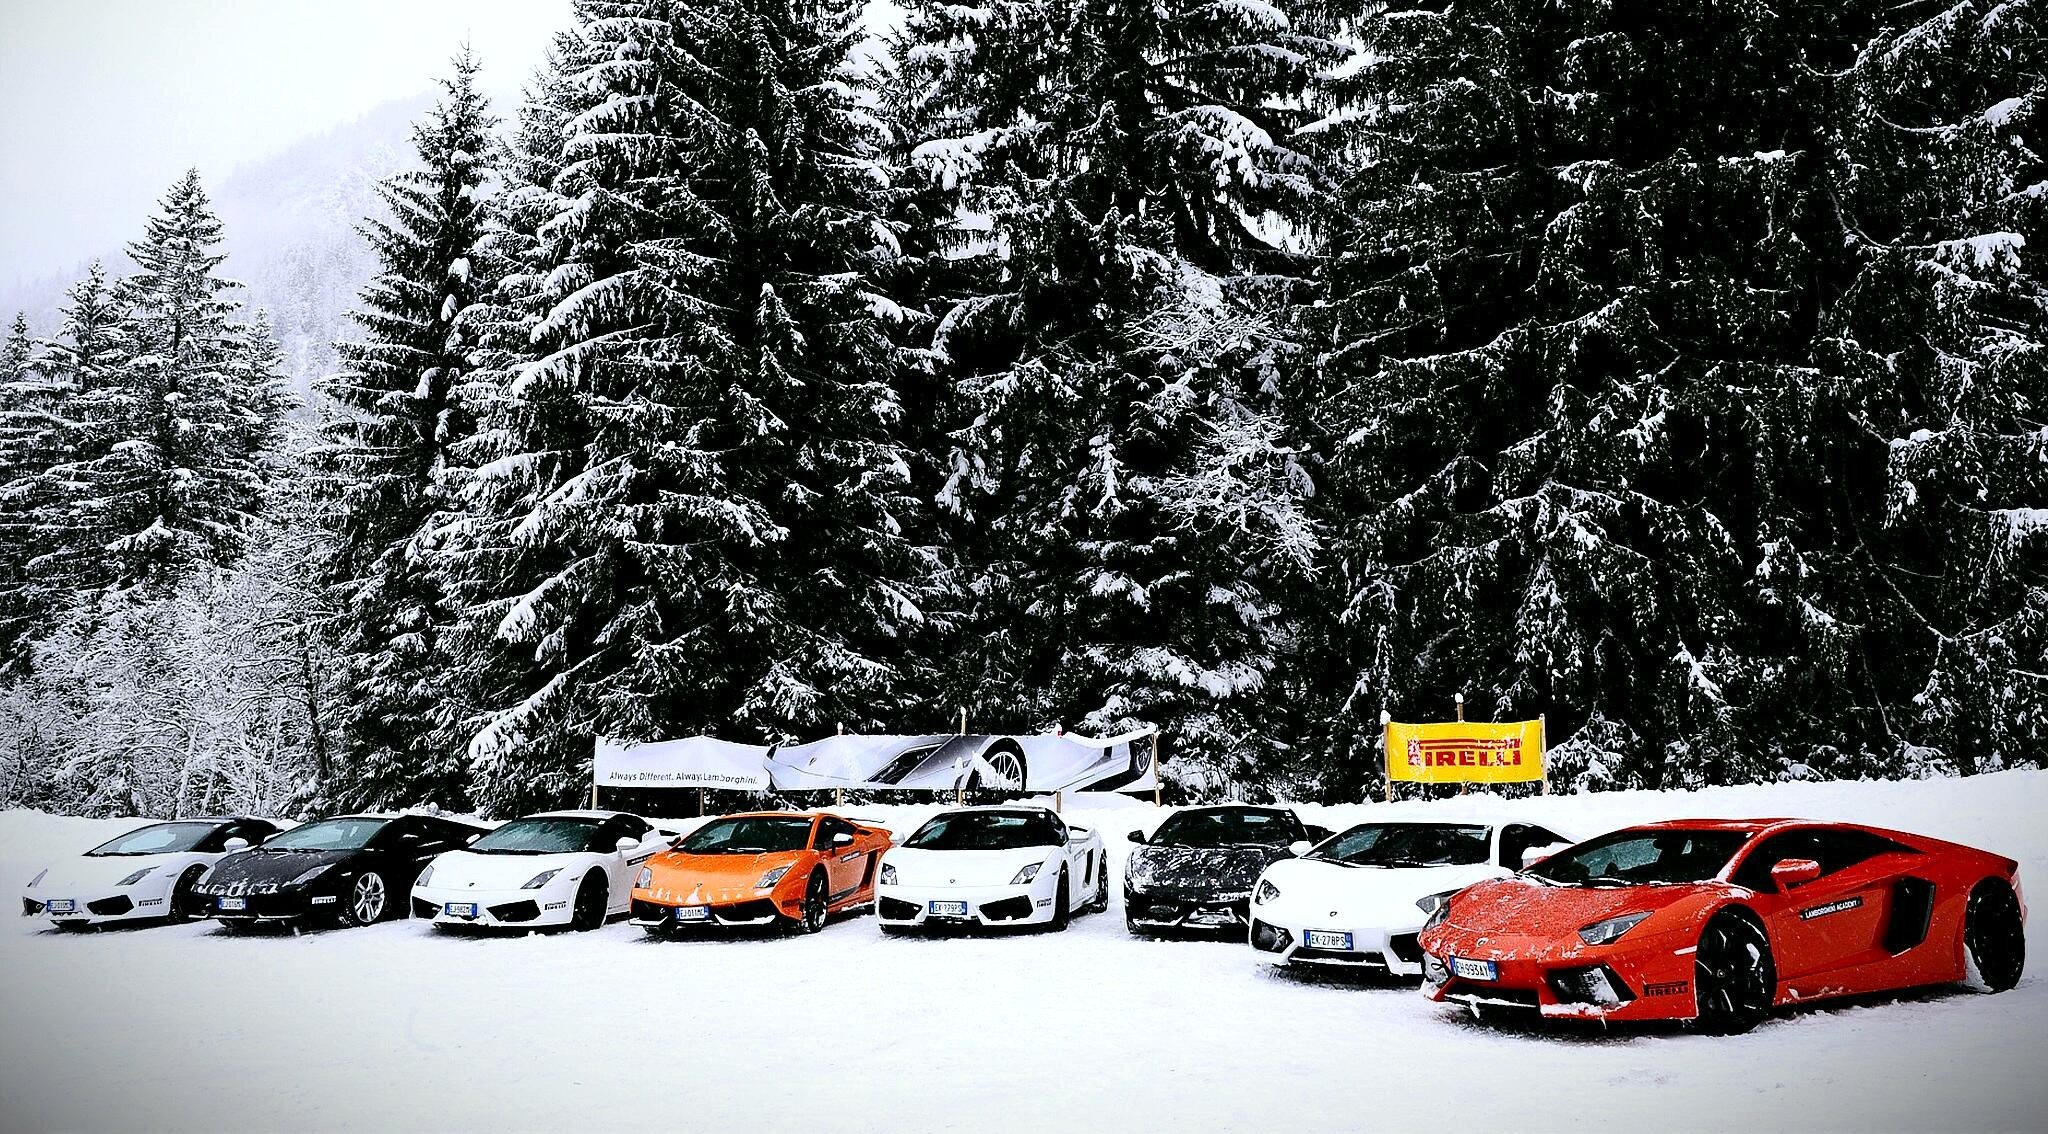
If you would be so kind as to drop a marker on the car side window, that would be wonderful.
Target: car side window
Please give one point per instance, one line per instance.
(634, 827)
(1514, 839)
(1755, 871)
(1544, 837)
(829, 829)
(1844, 847)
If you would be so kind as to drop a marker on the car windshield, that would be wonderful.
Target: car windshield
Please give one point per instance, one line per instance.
(328, 834)
(1407, 844)
(549, 834)
(1642, 858)
(157, 838)
(986, 830)
(1227, 827)
(751, 834)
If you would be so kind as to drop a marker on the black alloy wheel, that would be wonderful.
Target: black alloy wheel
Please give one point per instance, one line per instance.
(1734, 976)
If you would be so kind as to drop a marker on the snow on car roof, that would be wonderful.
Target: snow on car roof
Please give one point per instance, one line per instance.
(580, 813)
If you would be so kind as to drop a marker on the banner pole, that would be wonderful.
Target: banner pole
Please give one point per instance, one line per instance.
(700, 802)
(1387, 750)
(1543, 747)
(1156, 801)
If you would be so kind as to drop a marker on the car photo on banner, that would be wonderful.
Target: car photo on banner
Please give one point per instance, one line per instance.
(148, 874)
(1195, 873)
(771, 869)
(1720, 921)
(992, 866)
(1360, 899)
(350, 870)
(562, 868)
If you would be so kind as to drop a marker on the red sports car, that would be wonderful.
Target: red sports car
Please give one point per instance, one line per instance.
(1719, 921)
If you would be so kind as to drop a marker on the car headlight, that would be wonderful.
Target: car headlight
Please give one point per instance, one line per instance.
(309, 875)
(769, 879)
(1603, 932)
(138, 876)
(1026, 874)
(38, 879)
(645, 879)
(1266, 892)
(1437, 906)
(541, 879)
(888, 875)
(426, 876)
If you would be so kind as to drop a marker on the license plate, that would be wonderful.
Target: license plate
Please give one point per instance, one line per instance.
(693, 913)
(234, 903)
(947, 909)
(1327, 939)
(1475, 970)
(64, 905)
(459, 909)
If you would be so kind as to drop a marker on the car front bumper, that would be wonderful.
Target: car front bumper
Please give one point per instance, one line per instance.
(1210, 913)
(659, 914)
(277, 906)
(1280, 939)
(99, 907)
(510, 909)
(911, 906)
(1632, 979)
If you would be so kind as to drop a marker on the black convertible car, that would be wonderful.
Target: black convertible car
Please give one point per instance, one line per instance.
(353, 870)
(1197, 870)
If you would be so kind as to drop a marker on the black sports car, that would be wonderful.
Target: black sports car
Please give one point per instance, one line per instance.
(1196, 872)
(353, 870)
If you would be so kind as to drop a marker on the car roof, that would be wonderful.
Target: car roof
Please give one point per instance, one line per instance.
(1746, 826)
(999, 807)
(584, 813)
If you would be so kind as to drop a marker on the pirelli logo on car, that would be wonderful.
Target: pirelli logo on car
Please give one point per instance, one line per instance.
(1667, 988)
(1832, 907)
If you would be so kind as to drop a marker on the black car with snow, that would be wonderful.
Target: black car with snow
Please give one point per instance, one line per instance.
(1197, 870)
(351, 870)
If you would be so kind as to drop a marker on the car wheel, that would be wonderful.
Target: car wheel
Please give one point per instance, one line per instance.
(239, 928)
(184, 905)
(1734, 977)
(1060, 914)
(1100, 903)
(1995, 936)
(591, 899)
(815, 903)
(367, 901)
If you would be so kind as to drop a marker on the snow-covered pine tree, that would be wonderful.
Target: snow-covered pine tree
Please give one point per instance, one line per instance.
(1124, 181)
(686, 510)
(31, 435)
(398, 414)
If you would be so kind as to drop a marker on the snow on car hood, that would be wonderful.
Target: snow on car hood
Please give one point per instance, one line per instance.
(98, 872)
(1530, 908)
(260, 866)
(1200, 870)
(962, 868)
(470, 870)
(1364, 895)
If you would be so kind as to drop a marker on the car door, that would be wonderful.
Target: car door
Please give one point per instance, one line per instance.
(1835, 920)
(846, 863)
(624, 865)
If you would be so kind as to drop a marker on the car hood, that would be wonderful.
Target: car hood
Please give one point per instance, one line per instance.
(470, 870)
(682, 874)
(962, 868)
(1207, 870)
(258, 866)
(1365, 895)
(99, 873)
(1527, 908)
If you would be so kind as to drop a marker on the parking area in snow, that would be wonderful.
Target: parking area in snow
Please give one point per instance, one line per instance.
(395, 1027)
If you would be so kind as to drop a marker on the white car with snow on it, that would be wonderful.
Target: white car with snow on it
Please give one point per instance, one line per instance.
(1360, 898)
(562, 868)
(147, 874)
(992, 866)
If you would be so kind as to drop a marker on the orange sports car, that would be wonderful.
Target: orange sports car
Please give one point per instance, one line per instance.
(759, 869)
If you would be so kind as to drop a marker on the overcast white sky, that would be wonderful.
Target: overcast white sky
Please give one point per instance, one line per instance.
(104, 102)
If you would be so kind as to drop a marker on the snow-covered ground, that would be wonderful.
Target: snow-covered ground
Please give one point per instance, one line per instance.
(392, 1027)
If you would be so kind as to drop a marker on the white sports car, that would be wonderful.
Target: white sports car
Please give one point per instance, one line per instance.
(572, 868)
(145, 875)
(992, 866)
(1359, 898)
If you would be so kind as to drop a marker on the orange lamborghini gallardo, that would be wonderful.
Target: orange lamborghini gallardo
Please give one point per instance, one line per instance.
(762, 869)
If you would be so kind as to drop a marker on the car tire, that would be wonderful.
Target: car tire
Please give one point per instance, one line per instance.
(593, 896)
(1735, 980)
(1100, 903)
(239, 928)
(817, 902)
(897, 930)
(1060, 897)
(367, 901)
(1994, 936)
(183, 905)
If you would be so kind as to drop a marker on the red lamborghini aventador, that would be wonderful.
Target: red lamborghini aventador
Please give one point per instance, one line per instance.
(1720, 921)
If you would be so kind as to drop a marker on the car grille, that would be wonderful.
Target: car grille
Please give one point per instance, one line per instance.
(422, 908)
(1270, 938)
(30, 907)
(1406, 947)
(1576, 986)
(111, 907)
(649, 911)
(1370, 960)
(896, 909)
(746, 911)
(1007, 909)
(516, 911)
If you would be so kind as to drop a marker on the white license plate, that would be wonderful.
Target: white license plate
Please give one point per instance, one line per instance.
(1475, 970)
(234, 903)
(947, 909)
(693, 913)
(459, 909)
(64, 905)
(1327, 939)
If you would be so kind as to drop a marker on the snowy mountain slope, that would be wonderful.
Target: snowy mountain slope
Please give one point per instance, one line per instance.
(849, 1031)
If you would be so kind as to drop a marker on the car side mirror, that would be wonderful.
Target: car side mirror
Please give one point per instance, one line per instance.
(1318, 834)
(842, 839)
(471, 837)
(235, 844)
(1794, 872)
(625, 844)
(1533, 855)
(1138, 837)
(1300, 847)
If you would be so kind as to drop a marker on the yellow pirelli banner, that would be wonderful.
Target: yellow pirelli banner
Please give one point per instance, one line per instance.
(1465, 752)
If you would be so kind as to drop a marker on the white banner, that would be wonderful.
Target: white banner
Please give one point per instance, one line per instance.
(693, 761)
